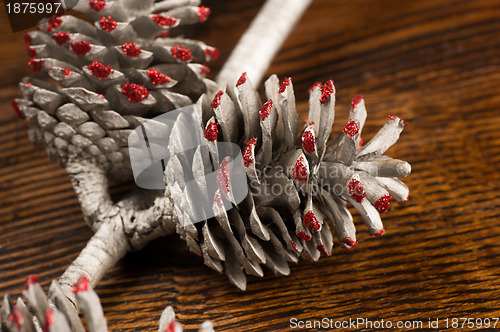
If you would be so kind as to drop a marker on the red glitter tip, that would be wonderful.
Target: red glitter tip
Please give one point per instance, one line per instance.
(393, 117)
(164, 20)
(356, 190)
(131, 50)
(321, 249)
(223, 178)
(203, 13)
(204, 70)
(27, 39)
(314, 86)
(265, 110)
(82, 285)
(326, 91)
(379, 233)
(54, 22)
(31, 52)
(284, 84)
(383, 204)
(61, 38)
(108, 24)
(351, 128)
(300, 170)
(170, 327)
(294, 246)
(163, 34)
(157, 78)
(212, 52)
(218, 200)
(303, 236)
(311, 222)
(36, 65)
(216, 102)
(247, 154)
(16, 318)
(97, 5)
(99, 70)
(81, 47)
(181, 53)
(356, 100)
(49, 319)
(211, 131)
(135, 92)
(66, 72)
(349, 242)
(242, 79)
(308, 141)
(30, 280)
(15, 106)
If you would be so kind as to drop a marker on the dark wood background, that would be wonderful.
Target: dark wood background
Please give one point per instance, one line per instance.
(434, 63)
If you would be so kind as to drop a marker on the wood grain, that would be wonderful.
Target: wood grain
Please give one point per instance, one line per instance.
(434, 63)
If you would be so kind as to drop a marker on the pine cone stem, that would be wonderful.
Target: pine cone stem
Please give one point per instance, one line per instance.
(103, 250)
(262, 40)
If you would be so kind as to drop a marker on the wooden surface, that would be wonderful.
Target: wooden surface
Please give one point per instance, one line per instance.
(434, 63)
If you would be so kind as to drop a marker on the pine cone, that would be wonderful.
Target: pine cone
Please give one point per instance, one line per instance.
(60, 316)
(295, 181)
(111, 76)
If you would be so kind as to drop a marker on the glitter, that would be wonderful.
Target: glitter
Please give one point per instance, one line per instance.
(203, 13)
(303, 236)
(383, 204)
(135, 92)
(61, 38)
(31, 52)
(218, 200)
(284, 84)
(314, 86)
(164, 20)
(27, 39)
(36, 65)
(54, 22)
(311, 222)
(248, 153)
(351, 128)
(49, 319)
(294, 246)
(99, 70)
(97, 5)
(131, 50)
(223, 178)
(300, 170)
(212, 52)
(16, 318)
(81, 47)
(163, 34)
(356, 190)
(66, 72)
(30, 280)
(380, 232)
(242, 79)
(82, 285)
(326, 91)
(204, 70)
(181, 53)
(321, 249)
(157, 78)
(265, 110)
(211, 131)
(349, 242)
(308, 141)
(108, 24)
(356, 100)
(216, 102)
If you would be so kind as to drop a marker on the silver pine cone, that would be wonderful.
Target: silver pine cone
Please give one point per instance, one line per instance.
(59, 315)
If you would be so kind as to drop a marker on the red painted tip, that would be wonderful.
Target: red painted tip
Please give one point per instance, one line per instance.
(203, 13)
(308, 141)
(242, 79)
(303, 236)
(356, 190)
(212, 52)
(222, 178)
(406, 200)
(99, 70)
(30, 280)
(348, 241)
(265, 110)
(247, 154)
(66, 72)
(60, 38)
(294, 246)
(379, 233)
(321, 249)
(157, 78)
(131, 50)
(54, 22)
(216, 102)
(383, 204)
(31, 52)
(27, 39)
(170, 327)
(351, 128)
(108, 24)
(135, 92)
(164, 20)
(81, 47)
(97, 5)
(356, 100)
(181, 53)
(311, 222)
(15, 106)
(82, 285)
(16, 318)
(218, 200)
(326, 91)
(163, 34)
(211, 131)
(286, 82)
(314, 86)
(204, 70)
(36, 65)
(300, 171)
